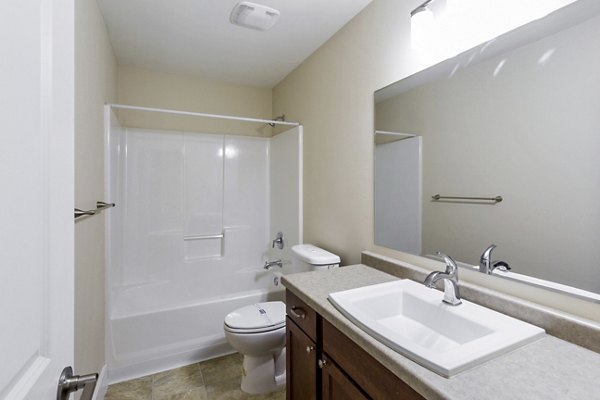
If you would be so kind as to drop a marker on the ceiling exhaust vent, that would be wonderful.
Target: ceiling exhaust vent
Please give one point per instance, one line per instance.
(255, 16)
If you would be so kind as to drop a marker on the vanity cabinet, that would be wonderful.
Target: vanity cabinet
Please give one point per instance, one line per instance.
(336, 384)
(324, 364)
(301, 350)
(301, 364)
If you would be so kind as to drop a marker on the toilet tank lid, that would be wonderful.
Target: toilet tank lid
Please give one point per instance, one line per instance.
(314, 255)
(258, 315)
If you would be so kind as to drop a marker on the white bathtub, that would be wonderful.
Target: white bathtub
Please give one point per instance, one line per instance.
(144, 338)
(168, 293)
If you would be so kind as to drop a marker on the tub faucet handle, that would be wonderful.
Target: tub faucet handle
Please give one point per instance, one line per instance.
(278, 241)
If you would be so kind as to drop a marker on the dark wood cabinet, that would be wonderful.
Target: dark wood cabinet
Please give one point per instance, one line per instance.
(336, 385)
(324, 364)
(301, 364)
(304, 316)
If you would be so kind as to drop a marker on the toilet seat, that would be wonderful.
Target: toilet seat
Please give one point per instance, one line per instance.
(256, 318)
(257, 330)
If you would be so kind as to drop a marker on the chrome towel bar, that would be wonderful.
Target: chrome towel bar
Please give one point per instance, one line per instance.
(496, 199)
(100, 205)
(202, 237)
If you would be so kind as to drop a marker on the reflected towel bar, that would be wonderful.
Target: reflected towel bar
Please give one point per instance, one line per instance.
(496, 199)
(202, 237)
(100, 206)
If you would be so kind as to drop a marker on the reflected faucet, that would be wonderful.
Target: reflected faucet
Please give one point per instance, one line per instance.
(450, 278)
(485, 260)
(487, 266)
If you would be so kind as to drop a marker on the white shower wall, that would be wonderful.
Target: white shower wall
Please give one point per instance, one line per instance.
(171, 277)
(179, 186)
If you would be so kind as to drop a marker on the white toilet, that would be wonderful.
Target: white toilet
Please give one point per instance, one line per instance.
(257, 331)
(310, 258)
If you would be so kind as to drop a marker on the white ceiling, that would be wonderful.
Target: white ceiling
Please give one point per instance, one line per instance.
(195, 36)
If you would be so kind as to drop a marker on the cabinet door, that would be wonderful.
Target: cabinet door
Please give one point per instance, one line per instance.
(336, 384)
(301, 364)
(372, 377)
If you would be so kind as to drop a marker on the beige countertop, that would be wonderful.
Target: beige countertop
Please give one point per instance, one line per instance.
(549, 368)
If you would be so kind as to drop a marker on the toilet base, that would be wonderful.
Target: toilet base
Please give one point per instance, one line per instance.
(263, 374)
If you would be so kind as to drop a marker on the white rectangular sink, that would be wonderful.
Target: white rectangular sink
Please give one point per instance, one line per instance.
(412, 320)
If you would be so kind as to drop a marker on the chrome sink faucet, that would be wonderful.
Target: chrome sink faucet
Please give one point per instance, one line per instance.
(487, 266)
(450, 278)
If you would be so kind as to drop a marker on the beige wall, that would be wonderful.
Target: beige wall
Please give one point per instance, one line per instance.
(141, 87)
(331, 93)
(95, 84)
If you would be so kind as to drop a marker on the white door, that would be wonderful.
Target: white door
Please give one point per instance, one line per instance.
(36, 196)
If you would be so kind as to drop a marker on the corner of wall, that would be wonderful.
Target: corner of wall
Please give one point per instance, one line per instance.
(95, 84)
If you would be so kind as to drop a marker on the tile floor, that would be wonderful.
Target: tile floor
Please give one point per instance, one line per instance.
(209, 380)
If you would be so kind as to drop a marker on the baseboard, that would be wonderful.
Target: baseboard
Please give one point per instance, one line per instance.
(101, 384)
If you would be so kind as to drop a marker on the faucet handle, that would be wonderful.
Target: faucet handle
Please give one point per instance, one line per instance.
(451, 267)
(487, 253)
(278, 241)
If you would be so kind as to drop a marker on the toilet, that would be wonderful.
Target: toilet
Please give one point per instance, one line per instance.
(308, 257)
(257, 331)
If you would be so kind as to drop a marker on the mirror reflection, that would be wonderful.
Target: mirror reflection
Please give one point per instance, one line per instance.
(522, 124)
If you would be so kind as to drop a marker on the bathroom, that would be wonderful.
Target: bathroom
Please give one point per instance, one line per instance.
(330, 93)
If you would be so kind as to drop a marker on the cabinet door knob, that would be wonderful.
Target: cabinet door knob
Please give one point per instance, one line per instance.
(322, 363)
(302, 314)
(309, 349)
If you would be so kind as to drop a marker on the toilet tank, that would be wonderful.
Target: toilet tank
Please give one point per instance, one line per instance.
(308, 258)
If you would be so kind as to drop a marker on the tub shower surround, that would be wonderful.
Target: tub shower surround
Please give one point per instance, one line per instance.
(189, 238)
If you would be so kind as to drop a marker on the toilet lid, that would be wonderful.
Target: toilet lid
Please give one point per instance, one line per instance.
(256, 316)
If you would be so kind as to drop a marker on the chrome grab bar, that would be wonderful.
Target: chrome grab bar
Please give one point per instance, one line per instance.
(100, 205)
(496, 199)
(202, 237)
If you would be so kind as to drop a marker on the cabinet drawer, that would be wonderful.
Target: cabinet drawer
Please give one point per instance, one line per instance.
(376, 380)
(304, 316)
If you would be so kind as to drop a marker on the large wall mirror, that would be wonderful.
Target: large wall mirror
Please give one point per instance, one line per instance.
(518, 118)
